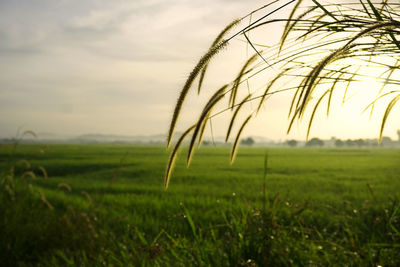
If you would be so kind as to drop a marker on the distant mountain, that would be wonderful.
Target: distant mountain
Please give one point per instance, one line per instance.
(89, 139)
(107, 138)
(96, 138)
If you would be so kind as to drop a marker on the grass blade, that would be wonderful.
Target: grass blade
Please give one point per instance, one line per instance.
(255, 49)
(190, 221)
(365, 8)
(325, 10)
(270, 84)
(287, 26)
(376, 12)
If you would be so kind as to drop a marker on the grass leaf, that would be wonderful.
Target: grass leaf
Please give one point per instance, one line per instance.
(325, 10)
(376, 12)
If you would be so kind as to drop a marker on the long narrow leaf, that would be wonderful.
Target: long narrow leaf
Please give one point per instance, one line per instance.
(376, 12)
(324, 9)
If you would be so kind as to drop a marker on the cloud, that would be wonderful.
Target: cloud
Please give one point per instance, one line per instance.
(70, 62)
(131, 30)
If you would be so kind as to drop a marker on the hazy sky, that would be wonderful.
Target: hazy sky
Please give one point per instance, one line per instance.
(116, 67)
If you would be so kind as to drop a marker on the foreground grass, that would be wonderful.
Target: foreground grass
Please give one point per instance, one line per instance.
(106, 205)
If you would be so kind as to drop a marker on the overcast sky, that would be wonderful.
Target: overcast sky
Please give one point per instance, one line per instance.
(116, 67)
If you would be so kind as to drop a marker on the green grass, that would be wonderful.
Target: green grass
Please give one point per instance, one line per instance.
(319, 207)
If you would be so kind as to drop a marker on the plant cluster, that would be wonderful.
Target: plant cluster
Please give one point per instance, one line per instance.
(324, 49)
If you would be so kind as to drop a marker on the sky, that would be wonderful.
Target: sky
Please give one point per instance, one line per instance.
(73, 67)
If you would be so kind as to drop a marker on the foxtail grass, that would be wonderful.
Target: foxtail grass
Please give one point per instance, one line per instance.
(216, 42)
(174, 154)
(235, 115)
(236, 142)
(318, 40)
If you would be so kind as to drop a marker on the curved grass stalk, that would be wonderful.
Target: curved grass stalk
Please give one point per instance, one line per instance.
(331, 92)
(289, 26)
(255, 49)
(195, 72)
(236, 84)
(340, 53)
(348, 84)
(387, 112)
(313, 113)
(260, 19)
(173, 155)
(310, 80)
(270, 84)
(215, 43)
(324, 9)
(235, 115)
(204, 123)
(235, 144)
(260, 96)
(378, 98)
(204, 115)
(328, 34)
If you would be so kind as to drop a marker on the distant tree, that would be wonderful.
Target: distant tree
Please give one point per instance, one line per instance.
(248, 141)
(292, 143)
(315, 142)
(359, 142)
(398, 134)
(386, 141)
(206, 143)
(349, 142)
(339, 143)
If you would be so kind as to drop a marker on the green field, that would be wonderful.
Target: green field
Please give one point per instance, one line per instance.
(106, 205)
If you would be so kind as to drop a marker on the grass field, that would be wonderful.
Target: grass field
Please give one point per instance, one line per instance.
(106, 205)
